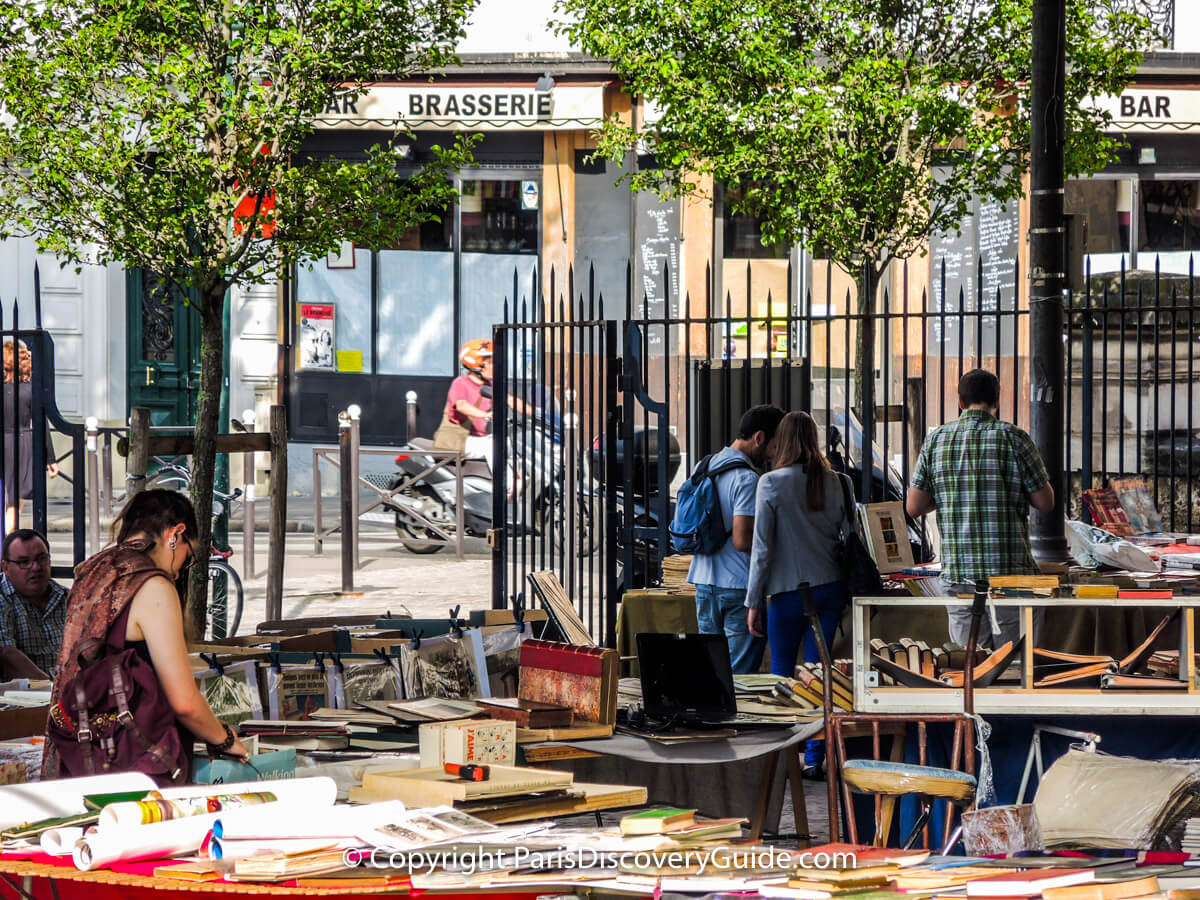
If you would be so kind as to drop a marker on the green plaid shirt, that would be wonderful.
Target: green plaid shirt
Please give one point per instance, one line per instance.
(36, 633)
(981, 472)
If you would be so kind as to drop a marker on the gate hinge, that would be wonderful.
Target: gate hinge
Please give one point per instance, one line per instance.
(495, 537)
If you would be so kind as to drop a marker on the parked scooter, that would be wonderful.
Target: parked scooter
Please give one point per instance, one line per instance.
(535, 489)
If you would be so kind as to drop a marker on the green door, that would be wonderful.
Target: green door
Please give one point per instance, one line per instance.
(163, 350)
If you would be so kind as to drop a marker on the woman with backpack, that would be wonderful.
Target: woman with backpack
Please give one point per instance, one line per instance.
(124, 697)
(799, 517)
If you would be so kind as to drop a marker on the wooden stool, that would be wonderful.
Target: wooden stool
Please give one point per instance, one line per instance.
(894, 780)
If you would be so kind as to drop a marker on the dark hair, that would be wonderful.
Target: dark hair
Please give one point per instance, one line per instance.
(765, 418)
(151, 512)
(979, 386)
(23, 534)
(798, 446)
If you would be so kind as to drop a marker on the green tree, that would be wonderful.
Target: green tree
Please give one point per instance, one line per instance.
(834, 113)
(132, 130)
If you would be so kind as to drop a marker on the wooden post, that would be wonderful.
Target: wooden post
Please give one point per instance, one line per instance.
(278, 518)
(914, 397)
(139, 450)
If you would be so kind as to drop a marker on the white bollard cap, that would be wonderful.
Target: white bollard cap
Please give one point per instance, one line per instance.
(354, 410)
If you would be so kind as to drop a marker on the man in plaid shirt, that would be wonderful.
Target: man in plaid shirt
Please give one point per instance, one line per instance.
(981, 475)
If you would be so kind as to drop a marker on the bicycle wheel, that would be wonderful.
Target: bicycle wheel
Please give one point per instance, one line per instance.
(223, 616)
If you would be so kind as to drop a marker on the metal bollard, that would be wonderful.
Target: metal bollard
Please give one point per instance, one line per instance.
(92, 429)
(346, 502)
(106, 473)
(248, 523)
(411, 400)
(355, 412)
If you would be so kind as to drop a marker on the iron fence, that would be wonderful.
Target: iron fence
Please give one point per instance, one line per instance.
(630, 402)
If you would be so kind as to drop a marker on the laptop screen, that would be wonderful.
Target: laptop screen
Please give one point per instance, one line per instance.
(686, 675)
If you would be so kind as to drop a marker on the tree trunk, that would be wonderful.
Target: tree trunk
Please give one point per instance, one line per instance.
(204, 461)
(866, 281)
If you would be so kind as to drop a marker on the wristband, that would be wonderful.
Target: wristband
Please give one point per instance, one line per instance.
(217, 749)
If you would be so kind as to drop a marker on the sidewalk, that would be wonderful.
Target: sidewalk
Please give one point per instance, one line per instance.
(301, 514)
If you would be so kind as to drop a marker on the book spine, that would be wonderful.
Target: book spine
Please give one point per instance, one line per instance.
(561, 657)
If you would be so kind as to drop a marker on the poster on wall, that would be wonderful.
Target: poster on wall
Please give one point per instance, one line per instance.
(315, 341)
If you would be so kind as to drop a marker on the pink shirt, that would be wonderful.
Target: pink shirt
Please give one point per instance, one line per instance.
(466, 388)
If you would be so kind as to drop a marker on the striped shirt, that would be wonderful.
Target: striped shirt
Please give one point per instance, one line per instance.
(36, 633)
(981, 472)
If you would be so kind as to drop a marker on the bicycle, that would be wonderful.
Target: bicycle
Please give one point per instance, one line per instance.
(218, 623)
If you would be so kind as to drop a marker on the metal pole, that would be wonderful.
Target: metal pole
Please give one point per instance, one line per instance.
(93, 485)
(410, 401)
(318, 518)
(106, 472)
(346, 474)
(248, 523)
(277, 545)
(1047, 257)
(355, 412)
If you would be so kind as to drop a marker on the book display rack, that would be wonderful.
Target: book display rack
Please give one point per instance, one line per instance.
(1121, 695)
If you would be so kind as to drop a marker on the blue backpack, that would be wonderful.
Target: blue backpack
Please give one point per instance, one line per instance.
(698, 526)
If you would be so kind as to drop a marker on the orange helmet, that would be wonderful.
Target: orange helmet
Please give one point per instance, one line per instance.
(473, 354)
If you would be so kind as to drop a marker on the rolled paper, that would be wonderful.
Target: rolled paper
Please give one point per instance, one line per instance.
(158, 841)
(21, 804)
(61, 841)
(226, 849)
(159, 809)
(275, 821)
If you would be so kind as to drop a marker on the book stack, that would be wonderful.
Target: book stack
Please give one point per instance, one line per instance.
(1034, 586)
(1191, 837)
(281, 734)
(915, 663)
(1055, 669)
(370, 730)
(675, 573)
(1106, 511)
(810, 686)
(680, 825)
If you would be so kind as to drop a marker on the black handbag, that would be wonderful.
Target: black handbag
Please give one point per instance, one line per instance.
(860, 575)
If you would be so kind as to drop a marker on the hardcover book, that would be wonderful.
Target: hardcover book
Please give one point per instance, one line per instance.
(1106, 511)
(583, 678)
(435, 787)
(529, 713)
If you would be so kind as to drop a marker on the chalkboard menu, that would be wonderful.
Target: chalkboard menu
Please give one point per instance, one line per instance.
(980, 269)
(657, 238)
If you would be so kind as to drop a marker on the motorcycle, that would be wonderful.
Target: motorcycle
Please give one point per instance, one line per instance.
(535, 491)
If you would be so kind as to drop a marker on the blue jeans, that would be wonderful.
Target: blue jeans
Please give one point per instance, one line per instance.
(788, 627)
(723, 611)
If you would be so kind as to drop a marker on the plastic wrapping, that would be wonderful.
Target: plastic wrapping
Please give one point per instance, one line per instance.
(1115, 802)
(1001, 830)
(232, 692)
(502, 652)
(1092, 547)
(448, 667)
(375, 680)
(294, 692)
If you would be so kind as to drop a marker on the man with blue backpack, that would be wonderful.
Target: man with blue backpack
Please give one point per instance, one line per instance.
(714, 521)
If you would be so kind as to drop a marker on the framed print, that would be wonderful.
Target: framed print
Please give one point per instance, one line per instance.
(315, 337)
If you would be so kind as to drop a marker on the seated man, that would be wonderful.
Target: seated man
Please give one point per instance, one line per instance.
(33, 607)
(468, 409)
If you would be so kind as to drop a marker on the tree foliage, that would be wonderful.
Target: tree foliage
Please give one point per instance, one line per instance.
(169, 135)
(834, 113)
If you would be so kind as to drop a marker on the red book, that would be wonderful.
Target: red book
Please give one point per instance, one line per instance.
(1106, 511)
(1029, 883)
(583, 678)
(1145, 595)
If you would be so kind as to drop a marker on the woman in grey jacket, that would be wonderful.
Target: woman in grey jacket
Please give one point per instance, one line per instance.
(799, 515)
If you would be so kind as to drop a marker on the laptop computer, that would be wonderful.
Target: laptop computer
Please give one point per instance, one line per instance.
(688, 679)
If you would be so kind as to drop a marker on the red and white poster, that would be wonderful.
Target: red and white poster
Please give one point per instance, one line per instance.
(315, 341)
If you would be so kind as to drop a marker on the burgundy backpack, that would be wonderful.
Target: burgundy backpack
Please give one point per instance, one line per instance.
(115, 717)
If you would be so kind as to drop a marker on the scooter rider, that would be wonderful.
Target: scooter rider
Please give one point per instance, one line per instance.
(468, 413)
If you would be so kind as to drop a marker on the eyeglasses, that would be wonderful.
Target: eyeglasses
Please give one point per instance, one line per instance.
(32, 562)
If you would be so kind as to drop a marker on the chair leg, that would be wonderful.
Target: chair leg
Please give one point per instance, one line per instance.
(919, 825)
(887, 814)
(949, 845)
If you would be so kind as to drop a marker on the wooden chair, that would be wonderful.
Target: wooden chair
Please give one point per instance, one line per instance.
(889, 780)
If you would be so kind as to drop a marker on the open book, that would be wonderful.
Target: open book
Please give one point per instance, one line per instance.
(1053, 668)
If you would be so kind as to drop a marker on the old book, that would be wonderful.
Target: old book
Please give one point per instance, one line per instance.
(709, 829)
(528, 713)
(1106, 889)
(1028, 582)
(902, 675)
(912, 654)
(1165, 594)
(1117, 682)
(190, 870)
(1138, 502)
(986, 672)
(435, 787)
(1136, 658)
(656, 821)
(282, 865)
(1106, 511)
(1078, 676)
(1029, 883)
(485, 741)
(1096, 591)
(812, 680)
(583, 678)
